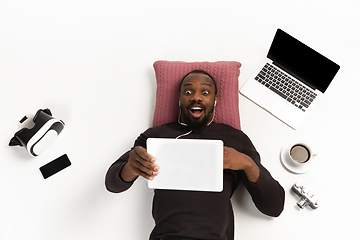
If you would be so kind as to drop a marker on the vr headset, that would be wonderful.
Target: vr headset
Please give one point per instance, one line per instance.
(39, 137)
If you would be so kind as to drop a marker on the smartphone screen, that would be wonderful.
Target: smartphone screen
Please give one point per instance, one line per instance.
(55, 166)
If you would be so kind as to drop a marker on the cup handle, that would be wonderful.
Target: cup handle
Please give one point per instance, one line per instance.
(315, 153)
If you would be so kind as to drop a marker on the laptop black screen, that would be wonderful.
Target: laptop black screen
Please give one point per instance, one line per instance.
(303, 62)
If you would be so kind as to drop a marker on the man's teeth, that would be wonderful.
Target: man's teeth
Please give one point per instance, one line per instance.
(196, 108)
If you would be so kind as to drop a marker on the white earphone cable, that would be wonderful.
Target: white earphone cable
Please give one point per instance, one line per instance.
(183, 135)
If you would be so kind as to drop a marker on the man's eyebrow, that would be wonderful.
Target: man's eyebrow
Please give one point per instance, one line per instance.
(204, 83)
(208, 84)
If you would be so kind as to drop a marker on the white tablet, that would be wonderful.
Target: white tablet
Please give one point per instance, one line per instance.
(187, 164)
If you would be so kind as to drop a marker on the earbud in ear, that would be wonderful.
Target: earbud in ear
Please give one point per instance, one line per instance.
(179, 103)
(215, 104)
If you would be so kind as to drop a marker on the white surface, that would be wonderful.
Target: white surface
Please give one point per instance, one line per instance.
(90, 62)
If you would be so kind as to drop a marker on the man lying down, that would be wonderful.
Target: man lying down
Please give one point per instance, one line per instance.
(180, 214)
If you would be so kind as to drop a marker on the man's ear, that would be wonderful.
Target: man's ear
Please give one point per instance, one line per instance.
(216, 99)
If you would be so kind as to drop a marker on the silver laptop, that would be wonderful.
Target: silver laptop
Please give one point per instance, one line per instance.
(291, 80)
(187, 164)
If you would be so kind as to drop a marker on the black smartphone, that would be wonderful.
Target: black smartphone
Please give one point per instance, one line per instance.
(55, 166)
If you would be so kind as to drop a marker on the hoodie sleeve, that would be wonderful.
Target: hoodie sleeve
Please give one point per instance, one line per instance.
(113, 181)
(267, 193)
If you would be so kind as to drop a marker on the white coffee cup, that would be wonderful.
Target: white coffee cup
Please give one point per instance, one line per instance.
(301, 153)
(298, 156)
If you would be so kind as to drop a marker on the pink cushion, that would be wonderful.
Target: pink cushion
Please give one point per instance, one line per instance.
(169, 75)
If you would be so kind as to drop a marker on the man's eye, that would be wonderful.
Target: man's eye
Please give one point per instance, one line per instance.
(187, 92)
(205, 92)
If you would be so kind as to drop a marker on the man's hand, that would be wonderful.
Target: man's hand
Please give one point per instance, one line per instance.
(140, 163)
(238, 161)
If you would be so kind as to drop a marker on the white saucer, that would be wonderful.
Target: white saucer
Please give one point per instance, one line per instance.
(290, 165)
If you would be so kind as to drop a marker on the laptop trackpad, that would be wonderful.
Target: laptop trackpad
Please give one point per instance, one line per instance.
(273, 103)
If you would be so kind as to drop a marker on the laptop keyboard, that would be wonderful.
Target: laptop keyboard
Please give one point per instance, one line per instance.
(294, 92)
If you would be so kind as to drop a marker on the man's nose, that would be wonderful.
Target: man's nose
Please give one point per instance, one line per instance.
(197, 97)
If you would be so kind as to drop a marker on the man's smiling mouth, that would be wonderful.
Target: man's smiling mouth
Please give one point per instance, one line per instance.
(196, 111)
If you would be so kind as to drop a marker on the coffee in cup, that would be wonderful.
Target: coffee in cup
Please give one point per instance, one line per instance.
(298, 156)
(300, 153)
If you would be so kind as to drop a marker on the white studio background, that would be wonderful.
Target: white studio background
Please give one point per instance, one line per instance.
(90, 62)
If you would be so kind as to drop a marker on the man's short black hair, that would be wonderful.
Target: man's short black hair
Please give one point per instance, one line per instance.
(201, 72)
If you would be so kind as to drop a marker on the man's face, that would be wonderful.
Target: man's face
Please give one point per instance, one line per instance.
(197, 98)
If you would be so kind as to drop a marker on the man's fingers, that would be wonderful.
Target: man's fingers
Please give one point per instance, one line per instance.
(142, 153)
(145, 172)
(142, 163)
(143, 169)
(147, 176)
(144, 158)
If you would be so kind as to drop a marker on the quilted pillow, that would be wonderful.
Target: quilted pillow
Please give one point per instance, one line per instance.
(168, 77)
